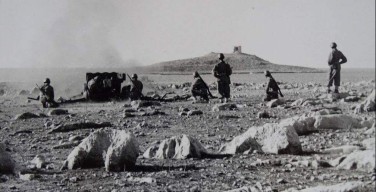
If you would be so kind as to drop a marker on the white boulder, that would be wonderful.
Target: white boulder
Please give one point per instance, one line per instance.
(178, 147)
(117, 150)
(337, 121)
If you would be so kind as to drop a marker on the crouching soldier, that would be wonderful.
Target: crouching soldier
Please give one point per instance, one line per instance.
(199, 88)
(272, 89)
(47, 95)
(136, 88)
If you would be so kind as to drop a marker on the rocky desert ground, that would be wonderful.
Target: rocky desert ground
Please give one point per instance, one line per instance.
(306, 141)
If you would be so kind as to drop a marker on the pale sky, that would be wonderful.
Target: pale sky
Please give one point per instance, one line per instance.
(96, 33)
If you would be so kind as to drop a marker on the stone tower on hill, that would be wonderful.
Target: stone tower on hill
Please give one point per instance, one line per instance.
(237, 49)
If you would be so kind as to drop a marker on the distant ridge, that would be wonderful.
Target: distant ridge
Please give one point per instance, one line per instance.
(240, 62)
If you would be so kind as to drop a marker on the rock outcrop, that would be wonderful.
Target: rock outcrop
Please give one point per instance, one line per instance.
(367, 105)
(337, 121)
(271, 138)
(178, 147)
(117, 150)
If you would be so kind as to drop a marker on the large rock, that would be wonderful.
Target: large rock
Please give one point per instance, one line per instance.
(178, 147)
(352, 186)
(367, 105)
(241, 144)
(345, 149)
(117, 150)
(75, 126)
(359, 160)
(302, 124)
(7, 164)
(272, 138)
(337, 121)
(224, 106)
(26, 115)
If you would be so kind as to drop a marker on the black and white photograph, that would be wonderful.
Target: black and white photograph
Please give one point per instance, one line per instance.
(187, 95)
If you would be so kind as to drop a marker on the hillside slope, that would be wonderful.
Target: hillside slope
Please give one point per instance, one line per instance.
(238, 61)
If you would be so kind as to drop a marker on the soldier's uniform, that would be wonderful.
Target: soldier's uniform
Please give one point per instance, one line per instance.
(271, 90)
(222, 72)
(47, 95)
(336, 58)
(136, 88)
(199, 88)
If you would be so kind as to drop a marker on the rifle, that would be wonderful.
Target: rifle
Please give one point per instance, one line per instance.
(32, 98)
(207, 87)
(40, 89)
(134, 85)
(279, 90)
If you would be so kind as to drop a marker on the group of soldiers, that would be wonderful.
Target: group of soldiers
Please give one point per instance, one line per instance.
(222, 72)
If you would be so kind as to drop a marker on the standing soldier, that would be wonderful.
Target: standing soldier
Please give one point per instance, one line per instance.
(336, 58)
(136, 88)
(272, 89)
(199, 88)
(222, 72)
(47, 94)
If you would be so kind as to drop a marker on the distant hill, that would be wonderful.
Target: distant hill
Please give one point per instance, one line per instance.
(240, 62)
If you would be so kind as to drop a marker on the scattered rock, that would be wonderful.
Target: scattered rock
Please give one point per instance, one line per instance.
(75, 138)
(302, 124)
(75, 126)
(275, 102)
(57, 112)
(341, 187)
(346, 149)
(117, 150)
(194, 112)
(368, 105)
(247, 189)
(148, 180)
(178, 147)
(142, 103)
(240, 144)
(39, 161)
(351, 99)
(224, 107)
(298, 102)
(7, 164)
(369, 143)
(337, 122)
(359, 160)
(66, 145)
(27, 177)
(263, 115)
(273, 138)
(26, 115)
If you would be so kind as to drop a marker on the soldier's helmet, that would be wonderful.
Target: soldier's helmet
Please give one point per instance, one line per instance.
(195, 74)
(267, 73)
(47, 80)
(221, 56)
(333, 45)
(134, 76)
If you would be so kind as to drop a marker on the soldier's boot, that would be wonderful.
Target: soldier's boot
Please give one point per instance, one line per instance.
(329, 91)
(336, 89)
